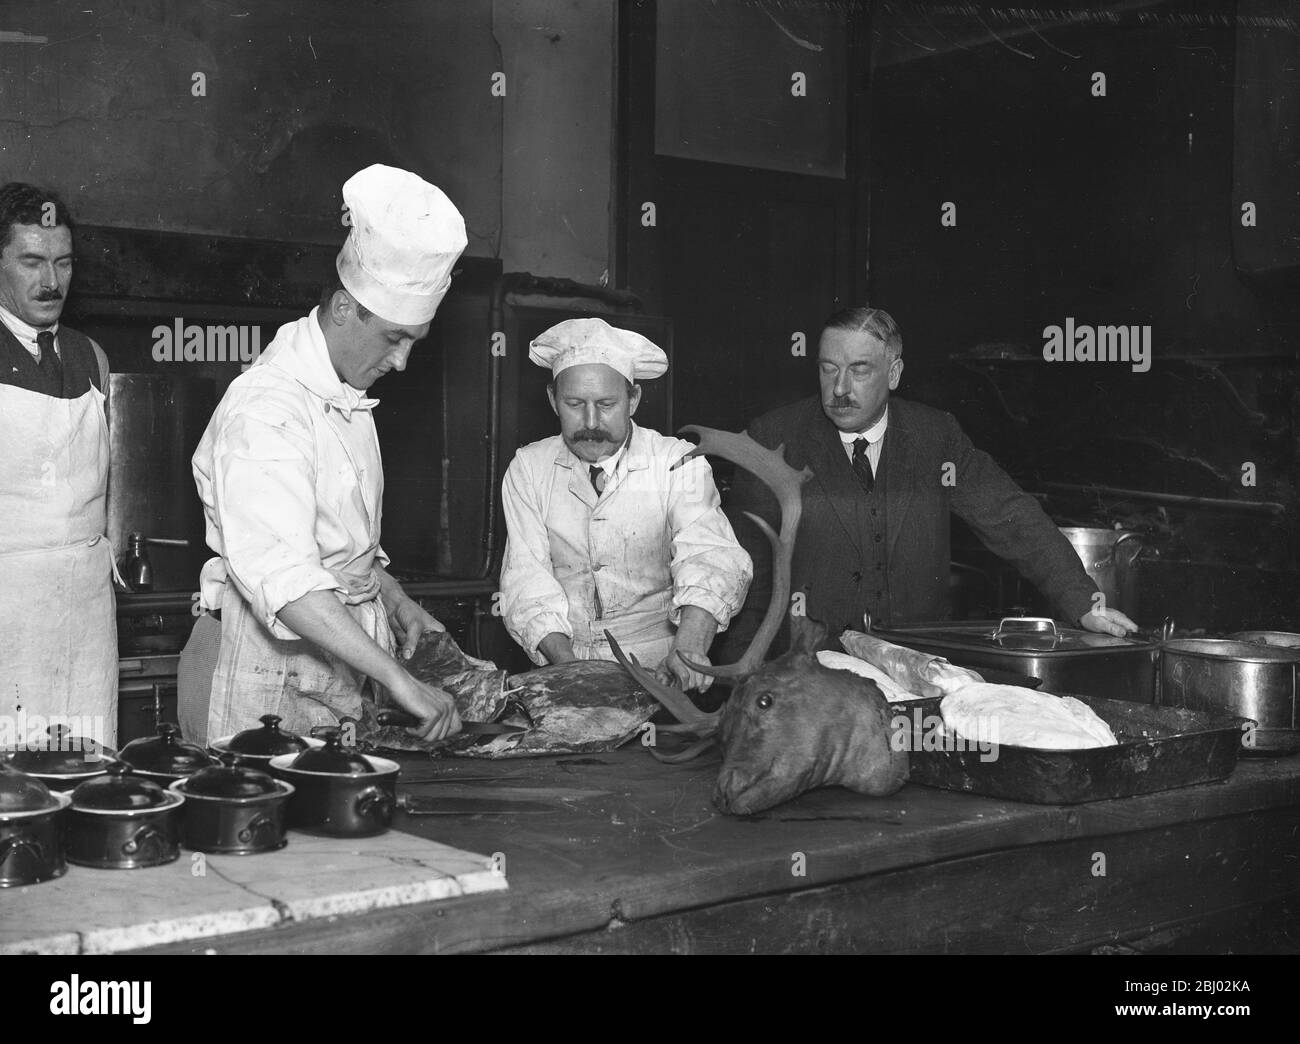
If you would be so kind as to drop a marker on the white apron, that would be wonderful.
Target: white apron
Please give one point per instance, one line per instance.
(305, 686)
(58, 622)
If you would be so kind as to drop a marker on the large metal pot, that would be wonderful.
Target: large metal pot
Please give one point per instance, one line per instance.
(337, 791)
(1252, 681)
(31, 836)
(1065, 659)
(1109, 556)
(122, 822)
(233, 809)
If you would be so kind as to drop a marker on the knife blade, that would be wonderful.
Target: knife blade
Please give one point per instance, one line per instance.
(417, 805)
(473, 728)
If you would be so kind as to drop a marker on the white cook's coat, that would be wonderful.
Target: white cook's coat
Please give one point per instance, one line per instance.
(292, 486)
(654, 541)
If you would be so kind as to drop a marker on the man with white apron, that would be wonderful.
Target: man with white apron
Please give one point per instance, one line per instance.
(58, 624)
(604, 532)
(292, 485)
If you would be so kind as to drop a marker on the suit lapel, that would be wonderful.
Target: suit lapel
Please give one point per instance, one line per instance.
(832, 470)
(897, 457)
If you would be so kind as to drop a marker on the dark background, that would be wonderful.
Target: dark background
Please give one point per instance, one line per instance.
(771, 211)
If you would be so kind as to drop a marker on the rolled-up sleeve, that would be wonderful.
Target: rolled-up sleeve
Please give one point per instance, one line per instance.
(264, 490)
(533, 604)
(710, 569)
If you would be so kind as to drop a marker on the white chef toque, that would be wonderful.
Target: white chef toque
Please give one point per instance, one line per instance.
(406, 236)
(577, 341)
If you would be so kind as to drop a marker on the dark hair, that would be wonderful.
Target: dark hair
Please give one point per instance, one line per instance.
(22, 204)
(875, 321)
(333, 287)
(550, 386)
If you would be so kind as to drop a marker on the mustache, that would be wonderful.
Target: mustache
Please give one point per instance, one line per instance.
(49, 295)
(592, 435)
(842, 400)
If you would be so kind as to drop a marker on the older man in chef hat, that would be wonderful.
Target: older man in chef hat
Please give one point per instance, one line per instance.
(292, 487)
(604, 534)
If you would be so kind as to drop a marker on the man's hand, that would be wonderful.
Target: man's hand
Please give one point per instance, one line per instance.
(409, 620)
(435, 709)
(1107, 621)
(674, 668)
(557, 648)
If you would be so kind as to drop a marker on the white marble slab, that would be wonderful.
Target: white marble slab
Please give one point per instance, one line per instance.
(197, 897)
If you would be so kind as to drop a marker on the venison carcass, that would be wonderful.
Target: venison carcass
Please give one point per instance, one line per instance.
(790, 725)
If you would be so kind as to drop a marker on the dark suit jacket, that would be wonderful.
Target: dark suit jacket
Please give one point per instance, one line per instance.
(918, 443)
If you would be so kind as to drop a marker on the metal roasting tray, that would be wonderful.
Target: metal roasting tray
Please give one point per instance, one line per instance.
(1160, 748)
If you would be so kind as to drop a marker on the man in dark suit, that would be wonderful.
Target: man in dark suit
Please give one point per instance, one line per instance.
(874, 535)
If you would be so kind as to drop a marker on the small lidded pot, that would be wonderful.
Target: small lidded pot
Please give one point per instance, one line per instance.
(62, 760)
(233, 809)
(256, 747)
(31, 829)
(123, 821)
(165, 758)
(339, 791)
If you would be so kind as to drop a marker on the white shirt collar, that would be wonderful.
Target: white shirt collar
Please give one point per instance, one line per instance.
(311, 366)
(873, 434)
(25, 332)
(610, 463)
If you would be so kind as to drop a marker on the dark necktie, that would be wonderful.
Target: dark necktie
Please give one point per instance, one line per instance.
(862, 466)
(597, 478)
(51, 367)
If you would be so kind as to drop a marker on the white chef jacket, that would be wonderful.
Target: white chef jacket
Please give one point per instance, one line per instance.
(291, 481)
(627, 560)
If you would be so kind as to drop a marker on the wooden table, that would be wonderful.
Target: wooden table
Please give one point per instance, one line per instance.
(631, 857)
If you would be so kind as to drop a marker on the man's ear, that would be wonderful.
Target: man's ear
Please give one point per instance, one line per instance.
(550, 395)
(805, 634)
(634, 400)
(340, 306)
(895, 373)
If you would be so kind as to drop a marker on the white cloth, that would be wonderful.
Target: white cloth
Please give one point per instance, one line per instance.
(578, 341)
(875, 436)
(628, 560)
(406, 236)
(58, 622)
(26, 333)
(291, 481)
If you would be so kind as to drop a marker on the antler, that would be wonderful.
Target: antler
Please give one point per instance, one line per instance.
(674, 699)
(771, 468)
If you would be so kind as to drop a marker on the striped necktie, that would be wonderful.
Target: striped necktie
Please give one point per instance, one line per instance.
(862, 465)
(51, 367)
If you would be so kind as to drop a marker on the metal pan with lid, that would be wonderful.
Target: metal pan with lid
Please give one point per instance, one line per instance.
(122, 821)
(256, 747)
(337, 790)
(62, 760)
(31, 835)
(233, 809)
(166, 757)
(1066, 659)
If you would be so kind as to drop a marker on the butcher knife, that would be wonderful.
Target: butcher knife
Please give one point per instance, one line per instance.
(389, 716)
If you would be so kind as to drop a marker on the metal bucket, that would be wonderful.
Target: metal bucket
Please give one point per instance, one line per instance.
(1109, 557)
(154, 427)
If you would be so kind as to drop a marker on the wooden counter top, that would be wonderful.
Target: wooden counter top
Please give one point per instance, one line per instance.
(629, 855)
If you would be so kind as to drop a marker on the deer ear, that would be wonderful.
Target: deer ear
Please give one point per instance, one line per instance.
(805, 634)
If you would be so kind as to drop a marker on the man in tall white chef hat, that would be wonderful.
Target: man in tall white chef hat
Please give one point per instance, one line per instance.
(292, 487)
(602, 534)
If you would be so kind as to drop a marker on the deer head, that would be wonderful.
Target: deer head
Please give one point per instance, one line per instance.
(790, 725)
